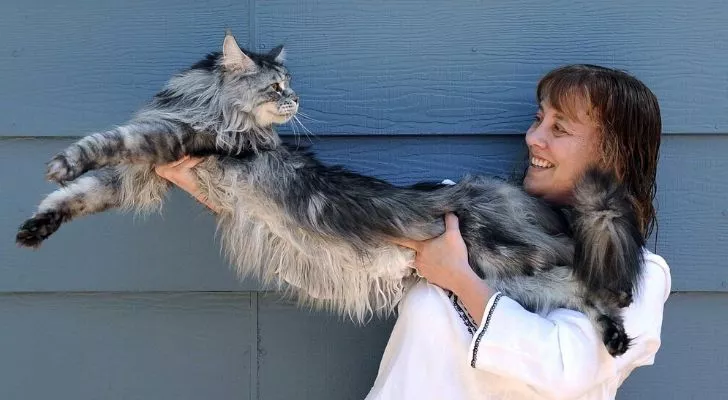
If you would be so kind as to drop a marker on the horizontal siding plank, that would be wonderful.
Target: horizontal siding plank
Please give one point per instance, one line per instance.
(693, 212)
(321, 358)
(195, 345)
(318, 355)
(380, 67)
(384, 66)
(126, 346)
(71, 68)
(693, 358)
(176, 251)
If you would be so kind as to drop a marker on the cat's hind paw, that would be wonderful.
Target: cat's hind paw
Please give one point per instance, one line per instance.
(36, 229)
(614, 336)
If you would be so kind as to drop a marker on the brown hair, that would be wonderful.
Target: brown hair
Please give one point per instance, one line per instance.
(628, 116)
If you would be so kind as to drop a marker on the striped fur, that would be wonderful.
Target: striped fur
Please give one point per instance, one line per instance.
(322, 232)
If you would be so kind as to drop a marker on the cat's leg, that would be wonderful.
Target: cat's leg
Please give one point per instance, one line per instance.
(133, 187)
(558, 288)
(90, 194)
(150, 142)
(606, 314)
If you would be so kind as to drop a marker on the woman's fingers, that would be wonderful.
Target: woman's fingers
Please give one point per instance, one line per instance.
(180, 165)
(189, 162)
(451, 222)
(409, 243)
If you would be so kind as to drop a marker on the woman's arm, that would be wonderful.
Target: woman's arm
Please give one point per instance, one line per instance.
(180, 173)
(560, 354)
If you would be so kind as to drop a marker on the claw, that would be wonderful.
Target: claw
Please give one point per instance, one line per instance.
(60, 170)
(36, 229)
(615, 337)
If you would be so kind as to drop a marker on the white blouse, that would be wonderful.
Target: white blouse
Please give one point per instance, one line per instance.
(435, 352)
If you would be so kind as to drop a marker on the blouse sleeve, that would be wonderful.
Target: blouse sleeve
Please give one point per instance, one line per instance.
(560, 354)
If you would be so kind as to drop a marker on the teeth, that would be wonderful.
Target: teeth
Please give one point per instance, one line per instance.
(541, 163)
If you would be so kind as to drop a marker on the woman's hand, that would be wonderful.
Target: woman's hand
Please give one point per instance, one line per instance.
(180, 173)
(443, 261)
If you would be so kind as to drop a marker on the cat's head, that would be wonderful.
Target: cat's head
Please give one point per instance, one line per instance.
(235, 94)
(237, 88)
(257, 83)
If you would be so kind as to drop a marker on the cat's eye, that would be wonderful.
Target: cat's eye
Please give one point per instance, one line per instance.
(276, 86)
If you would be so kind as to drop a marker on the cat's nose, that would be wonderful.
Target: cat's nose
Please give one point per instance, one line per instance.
(294, 99)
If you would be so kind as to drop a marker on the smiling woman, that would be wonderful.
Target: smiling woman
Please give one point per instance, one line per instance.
(470, 341)
(594, 115)
(458, 338)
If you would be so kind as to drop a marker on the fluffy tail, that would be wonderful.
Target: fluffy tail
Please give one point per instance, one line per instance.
(608, 242)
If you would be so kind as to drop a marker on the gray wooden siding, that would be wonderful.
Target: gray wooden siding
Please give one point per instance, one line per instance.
(180, 346)
(693, 360)
(216, 345)
(373, 67)
(127, 346)
(175, 250)
(117, 308)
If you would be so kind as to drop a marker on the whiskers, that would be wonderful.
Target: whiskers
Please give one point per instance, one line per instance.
(297, 123)
(308, 117)
(305, 129)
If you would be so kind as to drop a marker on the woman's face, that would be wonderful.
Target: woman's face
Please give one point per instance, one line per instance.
(560, 149)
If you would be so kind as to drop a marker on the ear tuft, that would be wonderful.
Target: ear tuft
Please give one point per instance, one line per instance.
(279, 54)
(233, 57)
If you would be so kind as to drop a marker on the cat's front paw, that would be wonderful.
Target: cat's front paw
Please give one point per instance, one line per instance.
(37, 229)
(61, 169)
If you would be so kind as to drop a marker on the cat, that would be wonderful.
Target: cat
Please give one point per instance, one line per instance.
(323, 232)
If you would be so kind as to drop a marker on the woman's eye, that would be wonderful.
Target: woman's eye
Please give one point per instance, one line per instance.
(560, 131)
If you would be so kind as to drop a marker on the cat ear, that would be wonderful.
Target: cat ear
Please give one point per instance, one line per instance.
(279, 54)
(232, 57)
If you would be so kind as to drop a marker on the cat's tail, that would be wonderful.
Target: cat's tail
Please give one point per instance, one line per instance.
(608, 242)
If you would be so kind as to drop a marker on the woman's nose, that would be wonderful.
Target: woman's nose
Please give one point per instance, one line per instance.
(536, 136)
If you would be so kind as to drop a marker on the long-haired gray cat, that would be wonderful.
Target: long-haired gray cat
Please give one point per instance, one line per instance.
(324, 232)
